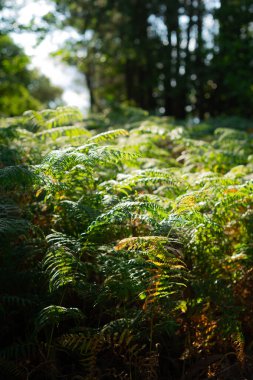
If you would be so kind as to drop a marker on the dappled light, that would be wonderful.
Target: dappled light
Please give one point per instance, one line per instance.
(126, 230)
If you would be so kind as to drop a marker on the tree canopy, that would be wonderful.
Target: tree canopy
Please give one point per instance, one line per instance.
(21, 87)
(159, 55)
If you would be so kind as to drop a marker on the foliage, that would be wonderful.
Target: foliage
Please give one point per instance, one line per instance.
(233, 76)
(168, 57)
(125, 254)
(22, 88)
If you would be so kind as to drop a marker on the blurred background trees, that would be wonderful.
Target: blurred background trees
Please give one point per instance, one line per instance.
(21, 87)
(160, 55)
(232, 64)
(179, 58)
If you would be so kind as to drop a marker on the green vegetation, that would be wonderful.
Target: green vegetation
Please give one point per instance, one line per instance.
(21, 87)
(126, 247)
(126, 236)
(170, 57)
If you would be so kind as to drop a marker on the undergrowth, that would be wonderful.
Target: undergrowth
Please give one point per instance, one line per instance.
(126, 248)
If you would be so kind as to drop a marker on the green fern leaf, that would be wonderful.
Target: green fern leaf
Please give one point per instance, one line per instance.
(123, 211)
(55, 314)
(71, 131)
(109, 135)
(53, 118)
(64, 269)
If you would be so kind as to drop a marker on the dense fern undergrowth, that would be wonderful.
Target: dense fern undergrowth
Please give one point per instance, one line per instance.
(126, 247)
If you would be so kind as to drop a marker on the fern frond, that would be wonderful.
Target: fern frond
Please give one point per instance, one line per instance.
(54, 133)
(160, 200)
(19, 176)
(7, 132)
(65, 159)
(58, 239)
(140, 179)
(64, 269)
(12, 227)
(87, 346)
(107, 136)
(76, 342)
(225, 134)
(108, 154)
(35, 120)
(53, 118)
(80, 210)
(125, 277)
(9, 210)
(64, 116)
(123, 343)
(123, 211)
(117, 326)
(140, 242)
(55, 314)
(167, 270)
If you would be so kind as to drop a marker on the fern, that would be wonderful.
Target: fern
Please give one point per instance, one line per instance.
(59, 161)
(58, 239)
(121, 212)
(122, 346)
(55, 133)
(148, 251)
(12, 227)
(53, 118)
(19, 176)
(168, 268)
(55, 314)
(64, 269)
(87, 348)
(139, 179)
(106, 136)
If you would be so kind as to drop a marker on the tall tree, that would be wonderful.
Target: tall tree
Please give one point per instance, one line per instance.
(126, 56)
(120, 54)
(232, 65)
(154, 54)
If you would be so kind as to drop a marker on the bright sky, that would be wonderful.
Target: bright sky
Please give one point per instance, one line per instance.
(72, 82)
